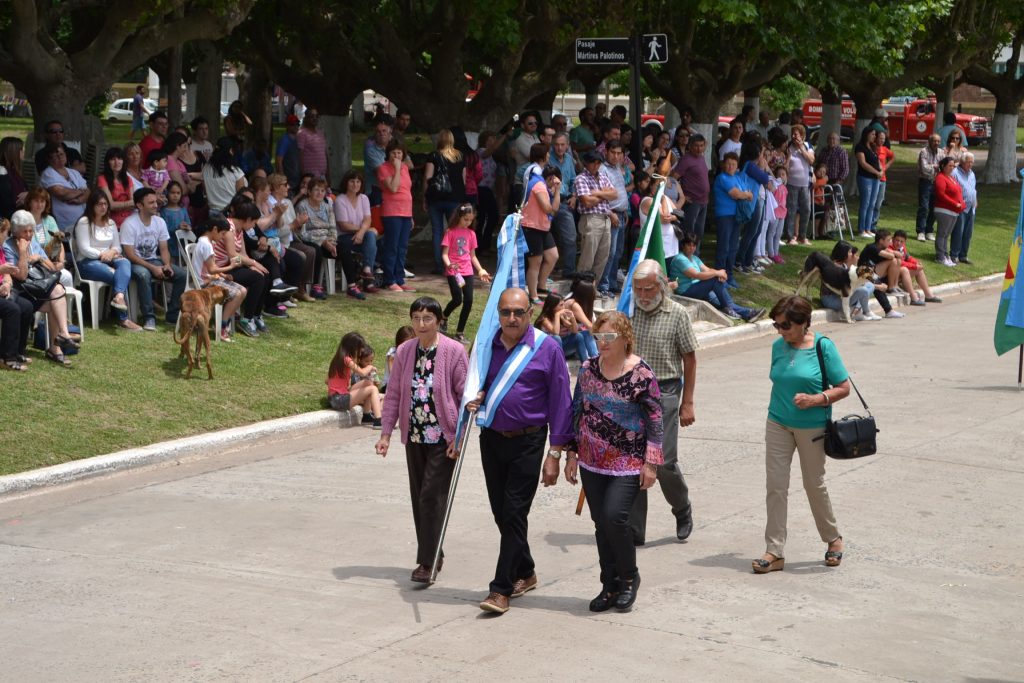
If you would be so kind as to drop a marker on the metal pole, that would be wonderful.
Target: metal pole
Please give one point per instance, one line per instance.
(1020, 368)
(636, 100)
(451, 495)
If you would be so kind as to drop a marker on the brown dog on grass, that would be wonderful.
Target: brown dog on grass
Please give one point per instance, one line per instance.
(196, 311)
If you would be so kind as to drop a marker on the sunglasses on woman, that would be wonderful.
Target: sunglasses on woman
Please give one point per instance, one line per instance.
(606, 337)
(784, 326)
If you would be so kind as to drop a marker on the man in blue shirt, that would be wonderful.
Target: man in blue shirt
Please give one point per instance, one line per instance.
(563, 223)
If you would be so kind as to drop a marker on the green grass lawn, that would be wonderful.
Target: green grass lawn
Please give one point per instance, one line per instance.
(128, 390)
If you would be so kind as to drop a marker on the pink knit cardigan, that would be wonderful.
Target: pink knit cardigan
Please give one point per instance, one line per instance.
(450, 366)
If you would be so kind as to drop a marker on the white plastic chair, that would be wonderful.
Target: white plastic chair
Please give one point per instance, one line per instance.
(192, 281)
(184, 237)
(96, 296)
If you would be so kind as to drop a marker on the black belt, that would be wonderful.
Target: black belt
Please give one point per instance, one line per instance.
(518, 432)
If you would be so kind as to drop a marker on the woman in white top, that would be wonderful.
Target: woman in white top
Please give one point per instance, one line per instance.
(221, 178)
(287, 223)
(352, 214)
(98, 250)
(669, 240)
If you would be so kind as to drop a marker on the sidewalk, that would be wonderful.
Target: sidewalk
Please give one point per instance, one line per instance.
(289, 559)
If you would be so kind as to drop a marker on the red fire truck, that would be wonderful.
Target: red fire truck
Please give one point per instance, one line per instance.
(910, 120)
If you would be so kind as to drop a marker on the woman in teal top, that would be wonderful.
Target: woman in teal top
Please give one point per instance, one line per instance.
(797, 413)
(696, 281)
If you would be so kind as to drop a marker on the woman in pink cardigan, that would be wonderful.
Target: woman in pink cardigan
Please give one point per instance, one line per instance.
(424, 395)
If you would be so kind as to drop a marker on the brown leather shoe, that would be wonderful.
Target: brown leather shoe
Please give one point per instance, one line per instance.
(522, 586)
(421, 574)
(495, 602)
(303, 296)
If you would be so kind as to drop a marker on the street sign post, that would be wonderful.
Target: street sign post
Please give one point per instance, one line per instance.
(603, 51)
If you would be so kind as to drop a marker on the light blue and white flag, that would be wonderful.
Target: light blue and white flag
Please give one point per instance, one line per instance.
(648, 246)
(511, 272)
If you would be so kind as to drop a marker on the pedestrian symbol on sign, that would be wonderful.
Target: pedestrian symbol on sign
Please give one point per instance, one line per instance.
(655, 48)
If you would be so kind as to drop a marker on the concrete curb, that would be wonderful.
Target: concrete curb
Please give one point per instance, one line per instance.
(169, 450)
(764, 327)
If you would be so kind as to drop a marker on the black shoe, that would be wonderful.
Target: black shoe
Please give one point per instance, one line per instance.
(627, 594)
(684, 525)
(281, 289)
(275, 313)
(604, 601)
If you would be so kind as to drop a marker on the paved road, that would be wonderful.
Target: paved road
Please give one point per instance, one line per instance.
(289, 560)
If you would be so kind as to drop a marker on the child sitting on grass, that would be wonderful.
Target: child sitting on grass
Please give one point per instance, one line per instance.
(340, 394)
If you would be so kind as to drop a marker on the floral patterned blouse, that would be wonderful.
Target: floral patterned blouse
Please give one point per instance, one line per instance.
(423, 424)
(617, 421)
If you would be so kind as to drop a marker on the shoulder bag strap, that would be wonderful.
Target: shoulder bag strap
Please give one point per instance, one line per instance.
(824, 375)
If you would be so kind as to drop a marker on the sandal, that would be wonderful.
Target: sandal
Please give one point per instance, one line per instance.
(543, 292)
(13, 365)
(761, 566)
(834, 557)
(58, 358)
(67, 341)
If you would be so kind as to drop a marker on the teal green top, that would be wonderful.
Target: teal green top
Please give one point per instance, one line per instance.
(796, 371)
(679, 265)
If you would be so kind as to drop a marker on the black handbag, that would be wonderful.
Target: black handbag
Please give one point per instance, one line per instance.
(852, 436)
(39, 283)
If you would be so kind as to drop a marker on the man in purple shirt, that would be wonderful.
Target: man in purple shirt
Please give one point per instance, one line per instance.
(692, 172)
(512, 447)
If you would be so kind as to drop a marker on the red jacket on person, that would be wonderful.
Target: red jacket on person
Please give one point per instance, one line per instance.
(948, 194)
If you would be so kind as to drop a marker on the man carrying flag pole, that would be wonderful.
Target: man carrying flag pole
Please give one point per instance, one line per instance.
(1009, 330)
(518, 386)
(665, 339)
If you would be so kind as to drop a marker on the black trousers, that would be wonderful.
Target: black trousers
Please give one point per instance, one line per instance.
(460, 296)
(487, 223)
(348, 262)
(256, 285)
(293, 264)
(16, 314)
(610, 500)
(512, 472)
(430, 476)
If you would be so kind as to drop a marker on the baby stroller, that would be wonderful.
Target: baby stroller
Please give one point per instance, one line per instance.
(837, 217)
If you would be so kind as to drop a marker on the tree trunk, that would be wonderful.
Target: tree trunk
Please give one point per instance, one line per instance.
(254, 91)
(672, 118)
(831, 116)
(752, 98)
(544, 103)
(174, 87)
(358, 112)
(944, 99)
(1001, 166)
(338, 131)
(592, 90)
(710, 133)
(64, 103)
(208, 85)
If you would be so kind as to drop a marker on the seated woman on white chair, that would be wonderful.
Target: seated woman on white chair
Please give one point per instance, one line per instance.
(22, 250)
(99, 254)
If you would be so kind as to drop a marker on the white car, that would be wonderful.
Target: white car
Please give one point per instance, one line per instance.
(121, 110)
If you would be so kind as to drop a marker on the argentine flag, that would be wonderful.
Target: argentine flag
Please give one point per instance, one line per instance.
(648, 246)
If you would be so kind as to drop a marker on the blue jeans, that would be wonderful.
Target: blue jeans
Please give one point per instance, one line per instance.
(563, 228)
(704, 288)
(574, 344)
(694, 216)
(145, 281)
(368, 248)
(588, 340)
(440, 212)
(745, 255)
(860, 297)
(925, 206)
(728, 243)
(960, 241)
(868, 190)
(116, 274)
(798, 201)
(609, 281)
(879, 198)
(396, 242)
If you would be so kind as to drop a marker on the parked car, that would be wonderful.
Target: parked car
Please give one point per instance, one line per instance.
(121, 110)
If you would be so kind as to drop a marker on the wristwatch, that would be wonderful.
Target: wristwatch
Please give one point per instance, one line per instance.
(556, 454)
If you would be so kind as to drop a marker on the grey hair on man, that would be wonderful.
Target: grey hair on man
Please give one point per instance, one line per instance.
(967, 156)
(649, 267)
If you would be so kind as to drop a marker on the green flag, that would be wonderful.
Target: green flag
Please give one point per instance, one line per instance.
(648, 246)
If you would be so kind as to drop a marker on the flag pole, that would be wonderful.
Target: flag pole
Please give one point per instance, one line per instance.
(1020, 368)
(579, 503)
(451, 495)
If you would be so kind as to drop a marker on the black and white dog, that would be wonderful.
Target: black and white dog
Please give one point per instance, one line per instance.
(841, 281)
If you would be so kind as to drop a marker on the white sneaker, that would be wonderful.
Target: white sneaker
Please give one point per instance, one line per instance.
(872, 316)
(860, 317)
(930, 237)
(893, 314)
(920, 237)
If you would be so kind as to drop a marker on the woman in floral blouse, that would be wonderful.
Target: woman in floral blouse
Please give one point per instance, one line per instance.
(423, 398)
(617, 413)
